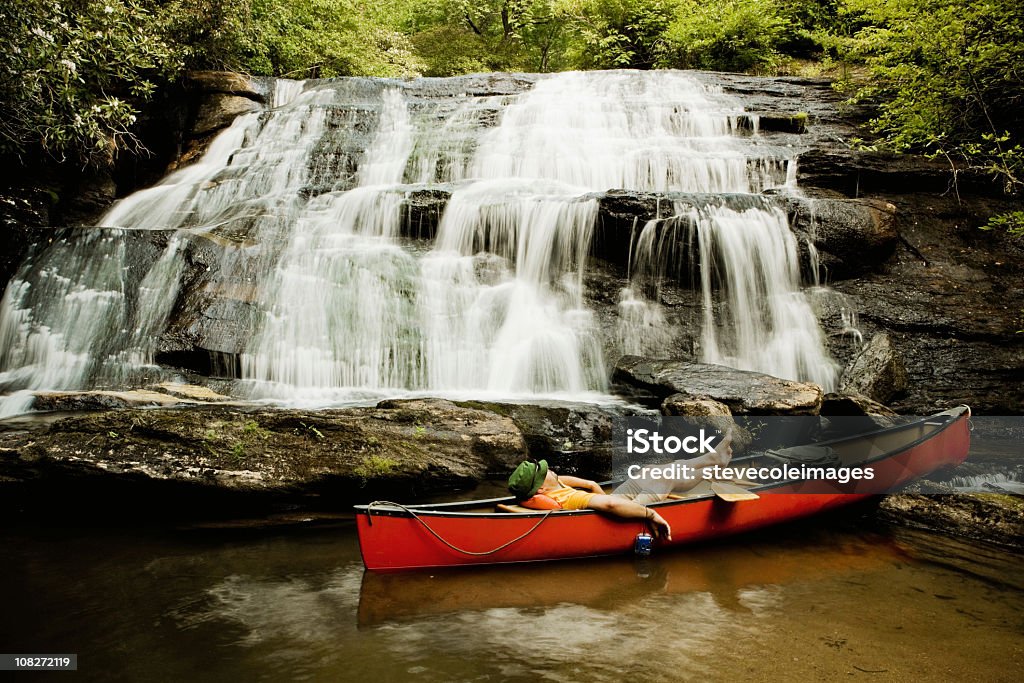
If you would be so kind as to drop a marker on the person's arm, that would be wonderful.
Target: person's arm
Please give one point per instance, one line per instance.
(627, 509)
(577, 483)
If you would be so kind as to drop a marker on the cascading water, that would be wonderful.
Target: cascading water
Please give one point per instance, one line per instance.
(755, 317)
(305, 204)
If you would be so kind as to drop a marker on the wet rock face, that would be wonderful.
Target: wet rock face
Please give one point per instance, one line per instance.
(876, 372)
(951, 300)
(855, 174)
(948, 295)
(744, 393)
(851, 236)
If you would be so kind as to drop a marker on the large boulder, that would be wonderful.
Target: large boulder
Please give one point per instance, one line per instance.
(743, 392)
(877, 371)
(574, 438)
(708, 414)
(687, 406)
(219, 110)
(100, 400)
(225, 82)
(234, 457)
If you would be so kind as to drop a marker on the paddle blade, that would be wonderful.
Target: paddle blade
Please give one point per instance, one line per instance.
(732, 493)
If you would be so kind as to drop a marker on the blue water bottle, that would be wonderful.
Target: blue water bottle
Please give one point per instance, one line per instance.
(643, 544)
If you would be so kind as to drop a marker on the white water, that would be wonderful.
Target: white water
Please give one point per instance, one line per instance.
(305, 205)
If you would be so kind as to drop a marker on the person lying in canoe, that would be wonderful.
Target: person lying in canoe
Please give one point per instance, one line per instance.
(534, 484)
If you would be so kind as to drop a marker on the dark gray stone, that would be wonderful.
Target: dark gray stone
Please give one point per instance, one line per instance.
(876, 372)
(856, 174)
(852, 405)
(851, 236)
(745, 393)
(575, 438)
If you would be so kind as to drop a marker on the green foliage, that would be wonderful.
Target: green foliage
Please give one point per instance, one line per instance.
(375, 467)
(617, 34)
(802, 22)
(310, 430)
(291, 38)
(464, 36)
(1012, 222)
(73, 75)
(944, 76)
(252, 430)
(730, 35)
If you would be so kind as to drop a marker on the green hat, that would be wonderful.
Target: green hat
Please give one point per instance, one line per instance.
(527, 478)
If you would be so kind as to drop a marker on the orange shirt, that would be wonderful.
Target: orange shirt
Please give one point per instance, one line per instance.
(570, 498)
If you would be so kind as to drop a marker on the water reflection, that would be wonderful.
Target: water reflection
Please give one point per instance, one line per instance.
(722, 573)
(198, 606)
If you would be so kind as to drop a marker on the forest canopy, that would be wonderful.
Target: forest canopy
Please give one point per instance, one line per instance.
(943, 76)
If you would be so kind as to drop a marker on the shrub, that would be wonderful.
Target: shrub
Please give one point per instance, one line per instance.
(731, 35)
(74, 74)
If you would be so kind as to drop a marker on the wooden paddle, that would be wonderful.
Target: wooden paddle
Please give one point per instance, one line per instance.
(732, 493)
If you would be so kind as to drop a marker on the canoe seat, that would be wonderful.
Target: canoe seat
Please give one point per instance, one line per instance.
(818, 456)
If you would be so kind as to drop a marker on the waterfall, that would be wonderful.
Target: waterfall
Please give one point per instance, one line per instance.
(309, 283)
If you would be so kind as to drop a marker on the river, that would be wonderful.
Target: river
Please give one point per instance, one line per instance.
(842, 598)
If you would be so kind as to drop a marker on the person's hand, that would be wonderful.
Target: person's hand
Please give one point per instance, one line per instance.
(659, 527)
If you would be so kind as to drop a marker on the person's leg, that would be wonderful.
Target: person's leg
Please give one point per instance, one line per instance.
(643, 491)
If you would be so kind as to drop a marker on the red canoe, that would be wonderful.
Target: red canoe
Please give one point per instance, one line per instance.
(400, 537)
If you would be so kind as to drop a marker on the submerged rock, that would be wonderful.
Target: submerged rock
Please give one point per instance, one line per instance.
(994, 518)
(743, 392)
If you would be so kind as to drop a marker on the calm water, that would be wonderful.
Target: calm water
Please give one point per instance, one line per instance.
(806, 602)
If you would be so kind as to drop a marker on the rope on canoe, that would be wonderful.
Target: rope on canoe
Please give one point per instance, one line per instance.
(369, 514)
